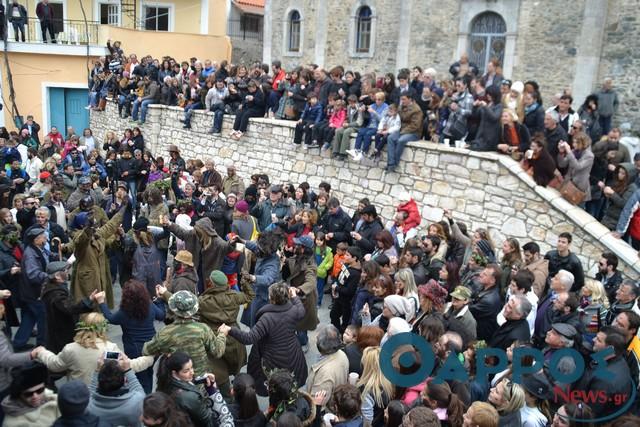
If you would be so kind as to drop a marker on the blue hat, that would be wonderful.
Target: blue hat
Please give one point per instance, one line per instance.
(305, 241)
(80, 220)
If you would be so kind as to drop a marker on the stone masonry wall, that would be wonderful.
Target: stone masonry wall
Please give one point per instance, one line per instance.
(482, 189)
(621, 60)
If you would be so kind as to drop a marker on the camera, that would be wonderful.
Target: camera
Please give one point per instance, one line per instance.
(202, 379)
(111, 355)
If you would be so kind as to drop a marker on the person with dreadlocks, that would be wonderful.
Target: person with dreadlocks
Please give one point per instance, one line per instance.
(285, 397)
(89, 344)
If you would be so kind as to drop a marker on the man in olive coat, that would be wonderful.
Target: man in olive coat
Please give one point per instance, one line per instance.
(300, 271)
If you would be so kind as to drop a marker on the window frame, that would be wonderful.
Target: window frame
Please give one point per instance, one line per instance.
(170, 18)
(288, 31)
(361, 27)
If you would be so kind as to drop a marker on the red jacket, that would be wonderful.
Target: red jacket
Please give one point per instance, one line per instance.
(413, 218)
(277, 78)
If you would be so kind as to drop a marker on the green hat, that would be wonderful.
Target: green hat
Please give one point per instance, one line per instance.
(461, 292)
(218, 278)
(183, 304)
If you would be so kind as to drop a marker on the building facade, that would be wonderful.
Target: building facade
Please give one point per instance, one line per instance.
(560, 45)
(50, 81)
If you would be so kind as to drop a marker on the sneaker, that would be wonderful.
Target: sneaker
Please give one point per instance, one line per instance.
(314, 144)
(358, 156)
(352, 153)
(181, 120)
(305, 147)
(325, 147)
(211, 131)
(186, 126)
(88, 107)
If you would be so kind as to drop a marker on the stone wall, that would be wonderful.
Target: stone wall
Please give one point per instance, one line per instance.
(620, 59)
(482, 189)
(555, 43)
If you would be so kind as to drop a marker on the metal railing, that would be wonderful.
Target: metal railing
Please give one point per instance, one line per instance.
(245, 29)
(66, 31)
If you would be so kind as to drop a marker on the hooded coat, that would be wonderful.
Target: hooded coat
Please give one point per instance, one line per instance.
(209, 255)
(220, 305)
(18, 414)
(275, 344)
(302, 274)
(92, 270)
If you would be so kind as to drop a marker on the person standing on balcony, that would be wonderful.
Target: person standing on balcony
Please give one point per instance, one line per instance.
(44, 12)
(18, 18)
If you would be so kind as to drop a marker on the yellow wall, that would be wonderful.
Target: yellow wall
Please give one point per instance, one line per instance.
(29, 71)
(186, 14)
(180, 46)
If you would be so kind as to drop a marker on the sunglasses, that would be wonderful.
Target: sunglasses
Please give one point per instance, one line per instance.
(28, 394)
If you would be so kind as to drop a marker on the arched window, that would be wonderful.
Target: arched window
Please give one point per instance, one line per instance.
(487, 39)
(363, 29)
(294, 31)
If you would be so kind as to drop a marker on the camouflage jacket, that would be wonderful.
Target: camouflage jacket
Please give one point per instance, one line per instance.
(194, 338)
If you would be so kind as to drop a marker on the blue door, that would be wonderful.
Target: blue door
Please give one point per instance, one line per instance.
(56, 108)
(66, 107)
(75, 114)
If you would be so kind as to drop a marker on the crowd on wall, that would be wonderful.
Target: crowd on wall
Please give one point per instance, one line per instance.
(227, 261)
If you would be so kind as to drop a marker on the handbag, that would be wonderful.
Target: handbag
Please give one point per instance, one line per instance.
(571, 193)
(289, 111)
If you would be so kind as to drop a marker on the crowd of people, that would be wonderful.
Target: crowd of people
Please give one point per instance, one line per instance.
(228, 261)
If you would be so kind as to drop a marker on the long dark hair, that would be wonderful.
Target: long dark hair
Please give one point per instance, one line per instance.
(396, 411)
(244, 392)
(135, 300)
(453, 275)
(167, 365)
(160, 406)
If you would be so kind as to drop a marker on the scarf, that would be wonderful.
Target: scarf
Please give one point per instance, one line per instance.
(530, 108)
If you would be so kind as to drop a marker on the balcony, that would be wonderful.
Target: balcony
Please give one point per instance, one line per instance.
(248, 28)
(73, 37)
(67, 31)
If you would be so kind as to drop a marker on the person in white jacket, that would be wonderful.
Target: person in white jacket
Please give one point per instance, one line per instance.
(90, 343)
(521, 284)
(389, 125)
(33, 165)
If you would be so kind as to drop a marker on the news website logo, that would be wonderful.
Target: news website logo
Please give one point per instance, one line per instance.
(453, 369)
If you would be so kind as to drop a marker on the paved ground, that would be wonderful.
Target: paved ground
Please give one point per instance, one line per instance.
(115, 333)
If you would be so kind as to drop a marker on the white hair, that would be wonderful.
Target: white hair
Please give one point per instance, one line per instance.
(566, 278)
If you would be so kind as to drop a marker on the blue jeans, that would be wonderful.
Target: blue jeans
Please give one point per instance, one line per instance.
(32, 313)
(363, 138)
(218, 114)
(303, 338)
(142, 106)
(273, 100)
(320, 286)
(396, 144)
(134, 190)
(93, 99)
(188, 111)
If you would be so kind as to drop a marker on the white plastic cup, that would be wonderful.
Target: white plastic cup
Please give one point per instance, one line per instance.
(446, 141)
(353, 378)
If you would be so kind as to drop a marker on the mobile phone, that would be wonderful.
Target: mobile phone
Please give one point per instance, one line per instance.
(202, 379)
(111, 355)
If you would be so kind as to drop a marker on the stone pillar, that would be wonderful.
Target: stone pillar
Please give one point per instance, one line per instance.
(404, 34)
(509, 55)
(321, 35)
(589, 47)
(267, 32)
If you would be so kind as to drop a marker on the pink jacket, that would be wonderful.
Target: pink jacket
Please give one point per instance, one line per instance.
(337, 118)
(413, 393)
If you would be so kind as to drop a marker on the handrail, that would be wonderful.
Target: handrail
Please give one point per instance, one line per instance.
(66, 31)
